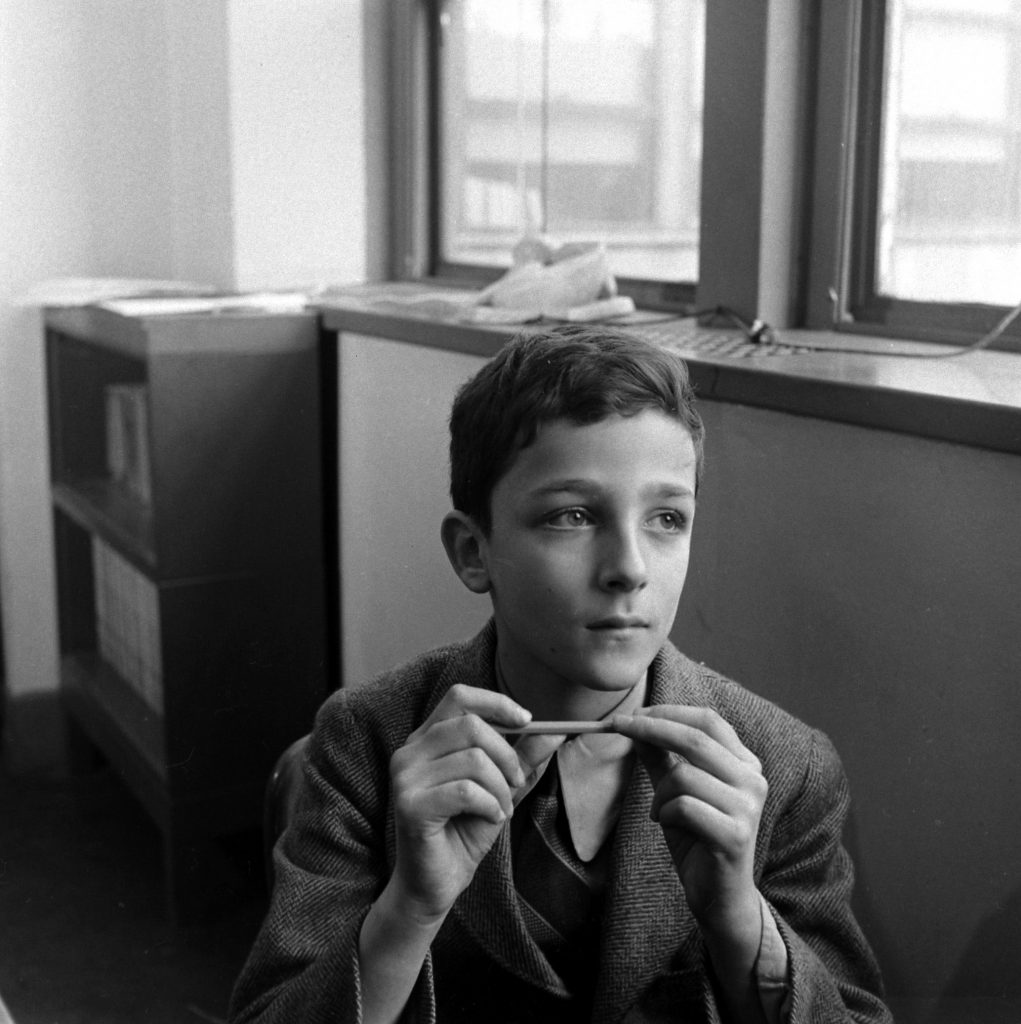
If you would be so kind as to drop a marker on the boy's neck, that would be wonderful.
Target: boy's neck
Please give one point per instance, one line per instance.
(562, 703)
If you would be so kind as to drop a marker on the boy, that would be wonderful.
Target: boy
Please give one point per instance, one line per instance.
(684, 865)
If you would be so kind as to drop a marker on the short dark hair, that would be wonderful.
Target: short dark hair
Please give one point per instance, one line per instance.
(577, 372)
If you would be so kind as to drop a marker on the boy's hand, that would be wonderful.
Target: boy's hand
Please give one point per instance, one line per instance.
(453, 785)
(709, 792)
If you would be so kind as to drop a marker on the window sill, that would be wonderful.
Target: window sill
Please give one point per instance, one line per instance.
(973, 399)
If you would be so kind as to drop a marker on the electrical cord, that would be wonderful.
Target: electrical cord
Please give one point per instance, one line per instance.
(758, 332)
(961, 350)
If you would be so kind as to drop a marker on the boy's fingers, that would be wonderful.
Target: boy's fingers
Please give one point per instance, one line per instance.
(687, 780)
(698, 735)
(489, 705)
(697, 820)
(535, 751)
(656, 760)
(471, 765)
(462, 732)
(449, 799)
(705, 719)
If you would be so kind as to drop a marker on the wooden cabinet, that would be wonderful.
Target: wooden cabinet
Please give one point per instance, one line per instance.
(187, 486)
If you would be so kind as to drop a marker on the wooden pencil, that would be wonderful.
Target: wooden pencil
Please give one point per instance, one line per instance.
(554, 728)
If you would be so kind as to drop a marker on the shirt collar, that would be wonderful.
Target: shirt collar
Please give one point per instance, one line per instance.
(594, 773)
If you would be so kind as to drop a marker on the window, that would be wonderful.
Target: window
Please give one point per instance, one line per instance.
(939, 211)
(811, 163)
(581, 119)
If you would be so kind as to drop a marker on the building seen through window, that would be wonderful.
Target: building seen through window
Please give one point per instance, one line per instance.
(577, 118)
(582, 119)
(949, 218)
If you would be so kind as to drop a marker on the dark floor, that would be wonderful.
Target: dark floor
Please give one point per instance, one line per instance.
(84, 935)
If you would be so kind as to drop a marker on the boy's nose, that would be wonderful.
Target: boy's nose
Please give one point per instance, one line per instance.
(623, 565)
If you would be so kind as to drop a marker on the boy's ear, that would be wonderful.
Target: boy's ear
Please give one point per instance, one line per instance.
(465, 545)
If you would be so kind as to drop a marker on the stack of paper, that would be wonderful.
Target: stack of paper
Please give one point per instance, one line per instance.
(128, 623)
(255, 302)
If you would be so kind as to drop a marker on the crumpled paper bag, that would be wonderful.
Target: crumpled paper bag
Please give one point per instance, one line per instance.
(547, 281)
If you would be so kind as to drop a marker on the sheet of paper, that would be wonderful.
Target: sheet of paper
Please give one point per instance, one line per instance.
(84, 291)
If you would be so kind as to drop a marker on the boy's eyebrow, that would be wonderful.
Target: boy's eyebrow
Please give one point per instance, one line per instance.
(664, 489)
(555, 486)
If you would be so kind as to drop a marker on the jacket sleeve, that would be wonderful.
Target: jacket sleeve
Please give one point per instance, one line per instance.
(807, 882)
(329, 866)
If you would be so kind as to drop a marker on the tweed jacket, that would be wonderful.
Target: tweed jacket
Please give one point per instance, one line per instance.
(483, 966)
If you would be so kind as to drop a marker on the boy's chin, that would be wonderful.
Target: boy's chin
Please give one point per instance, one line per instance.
(616, 680)
(612, 665)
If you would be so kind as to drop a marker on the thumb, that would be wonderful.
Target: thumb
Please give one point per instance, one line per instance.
(534, 753)
(657, 761)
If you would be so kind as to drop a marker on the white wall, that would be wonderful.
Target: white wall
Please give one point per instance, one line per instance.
(200, 162)
(224, 142)
(85, 141)
(297, 141)
(399, 595)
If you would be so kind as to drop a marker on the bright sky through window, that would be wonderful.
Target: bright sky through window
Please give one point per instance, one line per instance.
(950, 204)
(579, 118)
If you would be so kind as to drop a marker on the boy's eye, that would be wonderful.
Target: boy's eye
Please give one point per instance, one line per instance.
(670, 521)
(569, 518)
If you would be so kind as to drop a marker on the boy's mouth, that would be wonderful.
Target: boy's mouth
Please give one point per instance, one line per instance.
(614, 622)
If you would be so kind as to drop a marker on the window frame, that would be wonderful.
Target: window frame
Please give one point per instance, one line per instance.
(791, 101)
(849, 134)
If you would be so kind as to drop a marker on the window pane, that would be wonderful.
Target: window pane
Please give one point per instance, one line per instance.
(950, 179)
(578, 118)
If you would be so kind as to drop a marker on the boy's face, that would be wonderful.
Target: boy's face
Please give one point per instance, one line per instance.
(587, 556)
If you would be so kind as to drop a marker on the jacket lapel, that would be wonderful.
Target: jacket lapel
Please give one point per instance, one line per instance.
(488, 909)
(647, 919)
(649, 931)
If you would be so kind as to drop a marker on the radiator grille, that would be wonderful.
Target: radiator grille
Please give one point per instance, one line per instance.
(688, 338)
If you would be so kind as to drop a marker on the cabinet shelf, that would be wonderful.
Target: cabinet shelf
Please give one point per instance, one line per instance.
(191, 594)
(104, 507)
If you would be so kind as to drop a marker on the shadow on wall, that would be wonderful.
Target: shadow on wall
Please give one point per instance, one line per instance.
(988, 978)
(866, 909)
(985, 987)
